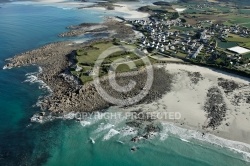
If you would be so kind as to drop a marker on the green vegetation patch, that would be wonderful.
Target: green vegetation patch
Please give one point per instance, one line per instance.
(87, 56)
(120, 56)
(91, 53)
(246, 45)
(244, 11)
(182, 28)
(223, 9)
(182, 55)
(227, 44)
(238, 39)
(136, 65)
(241, 20)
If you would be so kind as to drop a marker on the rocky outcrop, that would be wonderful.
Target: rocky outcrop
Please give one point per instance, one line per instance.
(68, 94)
(145, 124)
(115, 29)
(195, 77)
(77, 31)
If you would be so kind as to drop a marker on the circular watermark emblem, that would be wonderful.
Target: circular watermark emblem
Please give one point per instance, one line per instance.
(112, 75)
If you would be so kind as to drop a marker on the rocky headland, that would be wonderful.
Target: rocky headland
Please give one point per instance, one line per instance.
(112, 27)
(68, 93)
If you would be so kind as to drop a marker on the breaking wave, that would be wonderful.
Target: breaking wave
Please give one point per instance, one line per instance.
(33, 78)
(186, 135)
(111, 133)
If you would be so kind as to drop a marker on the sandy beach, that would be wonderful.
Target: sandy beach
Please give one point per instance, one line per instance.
(126, 10)
(188, 98)
(130, 11)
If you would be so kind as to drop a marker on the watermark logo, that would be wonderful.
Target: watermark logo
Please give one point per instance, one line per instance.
(112, 75)
(144, 116)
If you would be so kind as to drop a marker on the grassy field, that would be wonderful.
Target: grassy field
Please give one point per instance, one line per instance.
(120, 56)
(182, 55)
(226, 45)
(242, 20)
(246, 45)
(220, 13)
(87, 57)
(228, 23)
(90, 55)
(223, 9)
(210, 9)
(125, 66)
(238, 39)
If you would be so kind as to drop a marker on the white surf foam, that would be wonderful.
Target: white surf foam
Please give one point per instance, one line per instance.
(127, 131)
(111, 133)
(70, 115)
(40, 70)
(66, 8)
(103, 127)
(32, 78)
(5, 67)
(153, 135)
(186, 135)
(85, 123)
(163, 136)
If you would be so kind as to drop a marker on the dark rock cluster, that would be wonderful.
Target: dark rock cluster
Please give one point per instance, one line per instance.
(114, 28)
(215, 107)
(248, 100)
(227, 85)
(145, 124)
(237, 98)
(195, 77)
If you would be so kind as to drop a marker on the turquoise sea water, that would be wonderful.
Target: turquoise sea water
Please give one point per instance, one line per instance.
(59, 143)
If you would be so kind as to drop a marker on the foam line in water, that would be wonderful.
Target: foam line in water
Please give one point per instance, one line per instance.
(186, 135)
(32, 78)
